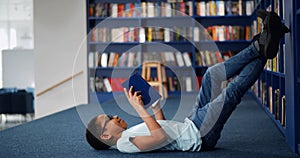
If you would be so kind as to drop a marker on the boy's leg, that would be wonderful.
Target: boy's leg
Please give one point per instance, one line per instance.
(212, 98)
(212, 79)
(217, 112)
(213, 111)
(267, 43)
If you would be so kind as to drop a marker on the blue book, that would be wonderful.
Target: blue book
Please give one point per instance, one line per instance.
(150, 95)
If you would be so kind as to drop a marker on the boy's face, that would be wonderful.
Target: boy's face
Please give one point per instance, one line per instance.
(111, 124)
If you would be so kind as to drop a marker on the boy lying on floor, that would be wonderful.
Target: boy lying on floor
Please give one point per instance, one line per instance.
(202, 128)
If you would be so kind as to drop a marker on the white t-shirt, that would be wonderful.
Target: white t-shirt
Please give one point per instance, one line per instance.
(183, 136)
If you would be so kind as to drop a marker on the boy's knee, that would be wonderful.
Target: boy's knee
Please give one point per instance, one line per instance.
(234, 94)
(217, 72)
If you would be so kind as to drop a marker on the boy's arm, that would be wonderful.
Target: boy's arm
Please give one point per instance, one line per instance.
(157, 137)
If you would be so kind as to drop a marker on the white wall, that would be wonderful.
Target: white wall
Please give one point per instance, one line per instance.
(18, 68)
(59, 30)
(16, 26)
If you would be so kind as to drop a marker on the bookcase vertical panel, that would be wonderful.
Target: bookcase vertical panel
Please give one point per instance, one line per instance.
(297, 71)
(292, 101)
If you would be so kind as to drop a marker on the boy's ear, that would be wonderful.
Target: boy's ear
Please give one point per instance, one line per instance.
(105, 136)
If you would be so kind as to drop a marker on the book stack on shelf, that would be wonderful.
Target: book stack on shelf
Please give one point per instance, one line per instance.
(140, 9)
(141, 34)
(227, 33)
(222, 8)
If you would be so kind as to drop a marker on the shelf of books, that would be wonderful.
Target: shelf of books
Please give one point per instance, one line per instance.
(277, 90)
(122, 34)
(179, 33)
(270, 88)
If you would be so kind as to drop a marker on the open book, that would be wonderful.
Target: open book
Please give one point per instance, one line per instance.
(150, 95)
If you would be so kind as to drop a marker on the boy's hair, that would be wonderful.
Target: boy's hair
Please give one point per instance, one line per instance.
(92, 134)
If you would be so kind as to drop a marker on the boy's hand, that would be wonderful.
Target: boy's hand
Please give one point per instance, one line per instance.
(157, 137)
(134, 98)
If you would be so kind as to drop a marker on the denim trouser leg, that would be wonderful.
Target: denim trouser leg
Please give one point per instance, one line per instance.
(214, 105)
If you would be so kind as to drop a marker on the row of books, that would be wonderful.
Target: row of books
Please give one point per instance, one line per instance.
(133, 59)
(222, 8)
(142, 9)
(273, 64)
(169, 58)
(140, 34)
(151, 34)
(225, 33)
(274, 101)
(114, 59)
(208, 58)
(172, 8)
(103, 84)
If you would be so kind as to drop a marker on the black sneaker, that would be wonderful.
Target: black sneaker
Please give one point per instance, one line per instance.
(272, 32)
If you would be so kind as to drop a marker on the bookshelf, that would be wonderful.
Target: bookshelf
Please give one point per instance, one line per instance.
(177, 21)
(125, 28)
(277, 90)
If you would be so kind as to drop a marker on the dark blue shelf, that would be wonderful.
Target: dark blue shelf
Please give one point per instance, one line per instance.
(184, 46)
(125, 72)
(224, 20)
(235, 45)
(160, 46)
(115, 22)
(116, 72)
(278, 74)
(114, 46)
(178, 21)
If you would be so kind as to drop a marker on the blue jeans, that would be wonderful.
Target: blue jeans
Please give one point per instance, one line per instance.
(214, 105)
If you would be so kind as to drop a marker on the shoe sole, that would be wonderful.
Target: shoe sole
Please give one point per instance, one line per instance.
(273, 36)
(274, 33)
